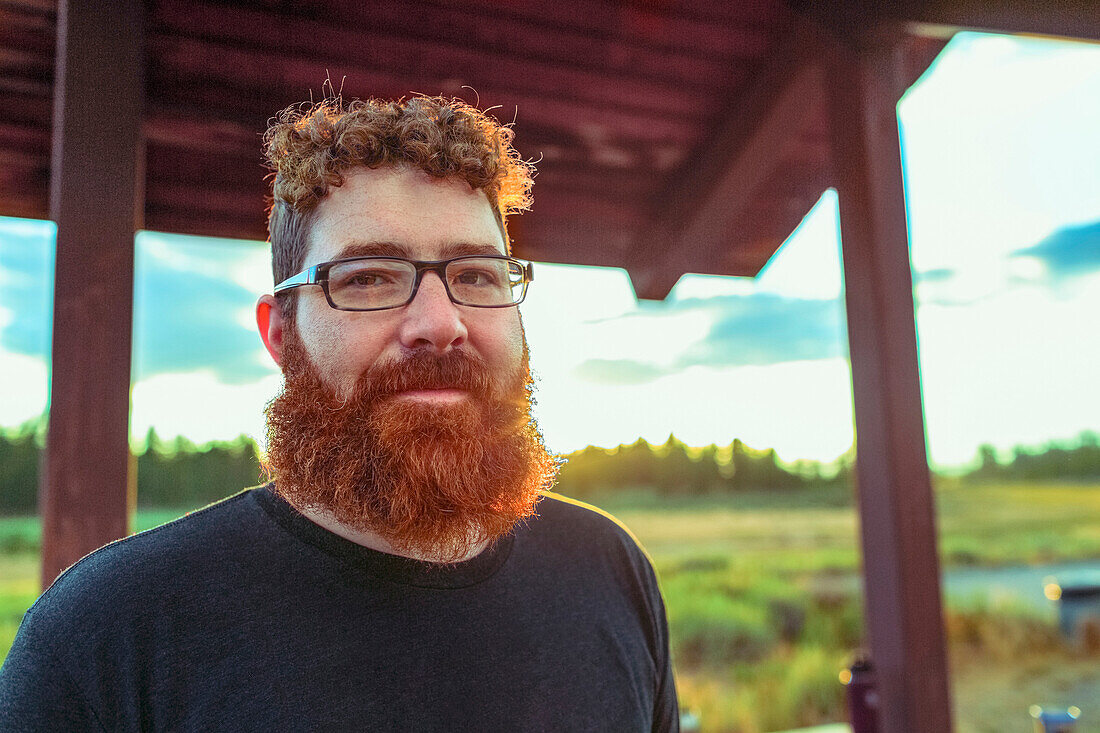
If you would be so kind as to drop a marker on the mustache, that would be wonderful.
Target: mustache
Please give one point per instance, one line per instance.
(457, 369)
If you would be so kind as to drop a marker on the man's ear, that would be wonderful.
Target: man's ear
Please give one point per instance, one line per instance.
(269, 319)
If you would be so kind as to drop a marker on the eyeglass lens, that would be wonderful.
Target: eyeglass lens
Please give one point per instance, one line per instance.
(382, 283)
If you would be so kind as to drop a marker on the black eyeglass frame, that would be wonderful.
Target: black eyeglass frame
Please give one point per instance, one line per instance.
(318, 275)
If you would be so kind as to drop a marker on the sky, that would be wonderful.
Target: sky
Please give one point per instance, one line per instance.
(1002, 167)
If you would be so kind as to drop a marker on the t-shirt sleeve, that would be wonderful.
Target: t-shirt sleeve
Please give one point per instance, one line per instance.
(36, 692)
(666, 708)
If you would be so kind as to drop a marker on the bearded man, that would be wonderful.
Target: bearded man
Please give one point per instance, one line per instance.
(408, 568)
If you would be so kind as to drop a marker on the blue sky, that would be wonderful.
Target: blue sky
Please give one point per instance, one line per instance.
(1003, 180)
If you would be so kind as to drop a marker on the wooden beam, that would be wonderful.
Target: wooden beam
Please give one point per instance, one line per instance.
(695, 215)
(464, 36)
(95, 199)
(199, 63)
(1068, 19)
(44, 7)
(901, 568)
(673, 23)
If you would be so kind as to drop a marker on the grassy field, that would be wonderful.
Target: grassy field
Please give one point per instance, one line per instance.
(761, 624)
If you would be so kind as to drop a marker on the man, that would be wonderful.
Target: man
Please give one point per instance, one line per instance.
(407, 569)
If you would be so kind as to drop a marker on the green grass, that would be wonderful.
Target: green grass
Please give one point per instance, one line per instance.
(762, 611)
(18, 588)
(1014, 523)
(762, 621)
(24, 534)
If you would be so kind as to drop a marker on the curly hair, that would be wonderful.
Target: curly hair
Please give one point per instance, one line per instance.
(310, 147)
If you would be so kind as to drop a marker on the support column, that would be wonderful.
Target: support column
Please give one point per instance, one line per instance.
(900, 564)
(96, 188)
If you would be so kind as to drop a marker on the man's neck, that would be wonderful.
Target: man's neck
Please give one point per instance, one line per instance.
(375, 541)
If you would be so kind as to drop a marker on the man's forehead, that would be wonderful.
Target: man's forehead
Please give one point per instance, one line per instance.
(405, 213)
(445, 250)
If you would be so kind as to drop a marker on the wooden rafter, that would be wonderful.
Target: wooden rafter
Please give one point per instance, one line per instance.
(1071, 19)
(86, 492)
(695, 215)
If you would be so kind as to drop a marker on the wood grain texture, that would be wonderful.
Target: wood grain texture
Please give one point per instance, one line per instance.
(95, 199)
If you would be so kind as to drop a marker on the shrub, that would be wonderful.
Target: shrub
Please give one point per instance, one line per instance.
(710, 627)
(1001, 631)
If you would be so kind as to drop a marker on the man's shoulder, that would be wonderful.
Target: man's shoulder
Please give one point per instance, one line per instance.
(143, 564)
(559, 507)
(584, 525)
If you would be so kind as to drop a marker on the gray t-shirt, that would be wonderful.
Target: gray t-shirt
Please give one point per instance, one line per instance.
(248, 616)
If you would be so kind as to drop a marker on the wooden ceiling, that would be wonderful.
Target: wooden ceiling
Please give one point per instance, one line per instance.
(670, 136)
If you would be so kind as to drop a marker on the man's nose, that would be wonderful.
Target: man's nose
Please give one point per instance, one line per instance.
(431, 319)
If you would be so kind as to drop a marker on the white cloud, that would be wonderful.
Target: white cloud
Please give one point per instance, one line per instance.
(802, 409)
(1000, 148)
(1017, 368)
(244, 262)
(198, 406)
(26, 386)
(29, 228)
(698, 287)
(253, 270)
(808, 263)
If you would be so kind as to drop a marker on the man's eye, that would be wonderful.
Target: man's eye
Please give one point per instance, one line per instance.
(366, 279)
(475, 277)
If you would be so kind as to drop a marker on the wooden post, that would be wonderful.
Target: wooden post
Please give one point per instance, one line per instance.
(96, 199)
(900, 564)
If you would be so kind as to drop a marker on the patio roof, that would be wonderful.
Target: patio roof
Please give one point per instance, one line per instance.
(669, 137)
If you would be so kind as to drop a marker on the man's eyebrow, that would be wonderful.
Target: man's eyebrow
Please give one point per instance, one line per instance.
(392, 249)
(458, 249)
(372, 249)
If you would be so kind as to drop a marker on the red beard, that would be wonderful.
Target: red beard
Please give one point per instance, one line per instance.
(432, 480)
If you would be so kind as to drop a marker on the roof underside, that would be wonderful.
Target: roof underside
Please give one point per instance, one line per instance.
(669, 137)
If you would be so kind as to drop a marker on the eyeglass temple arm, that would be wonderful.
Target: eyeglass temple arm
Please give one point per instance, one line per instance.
(305, 277)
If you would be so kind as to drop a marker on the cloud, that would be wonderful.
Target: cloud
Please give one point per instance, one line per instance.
(769, 329)
(26, 255)
(619, 371)
(188, 320)
(937, 275)
(746, 330)
(1068, 252)
(188, 311)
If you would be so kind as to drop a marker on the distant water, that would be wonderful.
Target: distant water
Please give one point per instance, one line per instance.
(1020, 585)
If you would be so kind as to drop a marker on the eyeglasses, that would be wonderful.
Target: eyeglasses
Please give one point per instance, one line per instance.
(378, 283)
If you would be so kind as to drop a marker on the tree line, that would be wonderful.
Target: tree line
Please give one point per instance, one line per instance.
(1077, 461)
(174, 474)
(179, 473)
(676, 469)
